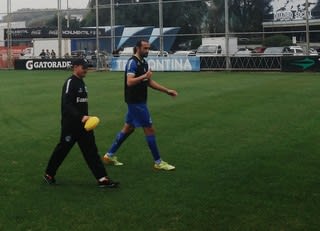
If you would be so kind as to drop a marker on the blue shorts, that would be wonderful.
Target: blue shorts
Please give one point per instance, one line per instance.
(138, 115)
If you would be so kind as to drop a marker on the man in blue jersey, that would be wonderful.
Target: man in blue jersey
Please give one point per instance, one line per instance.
(137, 79)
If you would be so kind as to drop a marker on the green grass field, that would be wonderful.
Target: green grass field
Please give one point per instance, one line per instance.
(246, 147)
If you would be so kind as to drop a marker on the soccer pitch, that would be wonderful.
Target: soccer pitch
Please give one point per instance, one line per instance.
(245, 146)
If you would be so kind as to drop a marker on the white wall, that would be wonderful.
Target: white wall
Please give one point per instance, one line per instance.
(39, 44)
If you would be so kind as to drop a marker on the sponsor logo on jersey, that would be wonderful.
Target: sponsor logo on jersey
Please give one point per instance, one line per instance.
(68, 138)
(81, 100)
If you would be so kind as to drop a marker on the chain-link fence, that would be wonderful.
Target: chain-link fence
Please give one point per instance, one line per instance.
(233, 35)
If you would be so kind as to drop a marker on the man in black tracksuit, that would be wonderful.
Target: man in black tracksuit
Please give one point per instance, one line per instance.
(74, 113)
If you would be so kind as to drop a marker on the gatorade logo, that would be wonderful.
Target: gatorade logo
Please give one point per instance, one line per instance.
(29, 65)
(32, 64)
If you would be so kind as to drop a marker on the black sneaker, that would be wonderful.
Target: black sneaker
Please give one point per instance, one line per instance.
(49, 179)
(108, 184)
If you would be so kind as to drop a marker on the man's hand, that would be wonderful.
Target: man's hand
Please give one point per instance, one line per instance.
(172, 93)
(148, 75)
(84, 118)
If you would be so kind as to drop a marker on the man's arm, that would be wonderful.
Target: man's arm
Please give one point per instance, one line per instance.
(153, 84)
(132, 80)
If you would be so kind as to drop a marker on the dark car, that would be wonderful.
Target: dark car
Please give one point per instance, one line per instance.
(88, 55)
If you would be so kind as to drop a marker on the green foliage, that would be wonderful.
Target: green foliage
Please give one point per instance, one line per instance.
(246, 147)
(104, 13)
(277, 40)
(244, 15)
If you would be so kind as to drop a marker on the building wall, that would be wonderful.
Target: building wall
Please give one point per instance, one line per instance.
(4, 26)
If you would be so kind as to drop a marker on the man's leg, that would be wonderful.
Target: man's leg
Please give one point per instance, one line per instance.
(120, 138)
(89, 150)
(109, 157)
(151, 140)
(59, 154)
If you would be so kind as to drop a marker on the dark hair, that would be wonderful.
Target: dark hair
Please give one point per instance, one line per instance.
(139, 44)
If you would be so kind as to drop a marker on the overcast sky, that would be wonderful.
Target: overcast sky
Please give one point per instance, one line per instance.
(41, 4)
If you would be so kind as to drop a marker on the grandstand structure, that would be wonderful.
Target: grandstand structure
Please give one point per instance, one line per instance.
(85, 38)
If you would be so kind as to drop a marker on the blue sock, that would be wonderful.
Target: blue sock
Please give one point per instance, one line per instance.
(151, 140)
(118, 141)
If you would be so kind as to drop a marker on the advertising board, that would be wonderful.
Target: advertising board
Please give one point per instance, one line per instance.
(18, 33)
(300, 64)
(161, 63)
(293, 10)
(42, 64)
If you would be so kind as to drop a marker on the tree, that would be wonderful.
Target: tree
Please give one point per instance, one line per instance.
(247, 15)
(104, 13)
(215, 18)
(244, 15)
(277, 40)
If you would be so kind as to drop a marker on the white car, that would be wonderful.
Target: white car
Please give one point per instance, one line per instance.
(313, 52)
(157, 53)
(209, 50)
(296, 50)
(184, 53)
(277, 51)
(128, 51)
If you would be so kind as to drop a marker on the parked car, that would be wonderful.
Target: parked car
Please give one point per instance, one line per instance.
(184, 53)
(209, 50)
(258, 50)
(244, 52)
(88, 55)
(289, 50)
(316, 49)
(277, 51)
(128, 51)
(296, 50)
(79, 53)
(313, 51)
(158, 53)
